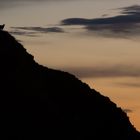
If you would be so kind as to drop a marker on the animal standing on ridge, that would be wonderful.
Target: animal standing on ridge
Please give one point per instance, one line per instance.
(2, 27)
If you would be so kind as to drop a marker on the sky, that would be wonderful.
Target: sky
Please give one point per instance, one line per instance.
(97, 40)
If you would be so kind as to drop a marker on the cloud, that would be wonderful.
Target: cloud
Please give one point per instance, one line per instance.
(128, 110)
(24, 33)
(105, 71)
(41, 29)
(33, 31)
(127, 23)
(129, 84)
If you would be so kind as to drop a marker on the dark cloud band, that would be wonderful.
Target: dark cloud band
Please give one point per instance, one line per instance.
(127, 23)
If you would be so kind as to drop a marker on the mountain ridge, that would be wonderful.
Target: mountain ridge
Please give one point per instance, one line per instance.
(42, 103)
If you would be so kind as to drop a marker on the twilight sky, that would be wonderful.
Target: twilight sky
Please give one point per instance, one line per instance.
(97, 40)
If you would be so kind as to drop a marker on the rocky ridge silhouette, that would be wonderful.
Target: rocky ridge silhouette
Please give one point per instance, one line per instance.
(39, 103)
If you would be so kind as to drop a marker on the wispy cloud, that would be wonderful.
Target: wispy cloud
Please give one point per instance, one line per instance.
(34, 31)
(128, 110)
(41, 29)
(105, 71)
(125, 24)
(129, 84)
(24, 33)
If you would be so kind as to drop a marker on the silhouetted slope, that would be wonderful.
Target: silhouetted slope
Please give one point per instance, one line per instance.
(41, 103)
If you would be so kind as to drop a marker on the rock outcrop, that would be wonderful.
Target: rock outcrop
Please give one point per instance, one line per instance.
(40, 103)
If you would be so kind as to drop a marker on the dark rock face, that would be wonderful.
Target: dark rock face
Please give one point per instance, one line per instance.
(45, 104)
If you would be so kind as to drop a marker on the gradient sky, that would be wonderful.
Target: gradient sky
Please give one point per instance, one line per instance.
(97, 40)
